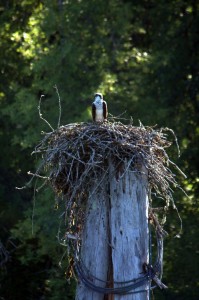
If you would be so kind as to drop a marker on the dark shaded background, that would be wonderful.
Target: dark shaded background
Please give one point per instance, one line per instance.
(143, 56)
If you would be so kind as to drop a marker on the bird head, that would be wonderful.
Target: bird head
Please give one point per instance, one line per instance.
(98, 97)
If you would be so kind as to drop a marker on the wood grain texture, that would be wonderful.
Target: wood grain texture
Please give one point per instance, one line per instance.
(115, 237)
(95, 242)
(129, 228)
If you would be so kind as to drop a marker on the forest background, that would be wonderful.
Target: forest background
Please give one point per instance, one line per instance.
(144, 57)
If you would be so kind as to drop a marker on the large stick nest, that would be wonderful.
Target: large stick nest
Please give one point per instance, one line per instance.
(76, 158)
(77, 155)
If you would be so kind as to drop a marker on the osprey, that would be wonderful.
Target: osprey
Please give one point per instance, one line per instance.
(99, 109)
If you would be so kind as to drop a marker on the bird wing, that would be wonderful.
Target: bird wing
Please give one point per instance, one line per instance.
(105, 110)
(93, 111)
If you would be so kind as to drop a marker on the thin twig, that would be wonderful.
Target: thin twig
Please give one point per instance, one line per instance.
(59, 99)
(40, 114)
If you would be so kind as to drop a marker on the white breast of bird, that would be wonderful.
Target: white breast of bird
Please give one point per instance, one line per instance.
(99, 115)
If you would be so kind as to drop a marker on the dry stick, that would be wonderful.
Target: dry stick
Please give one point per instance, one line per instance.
(36, 174)
(58, 124)
(176, 140)
(180, 171)
(40, 114)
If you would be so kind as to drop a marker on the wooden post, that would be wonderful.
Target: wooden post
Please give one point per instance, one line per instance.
(129, 228)
(94, 250)
(116, 233)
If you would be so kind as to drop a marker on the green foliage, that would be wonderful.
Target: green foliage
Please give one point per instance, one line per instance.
(144, 56)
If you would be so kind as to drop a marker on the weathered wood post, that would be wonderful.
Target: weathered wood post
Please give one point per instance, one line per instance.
(129, 228)
(94, 249)
(116, 233)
